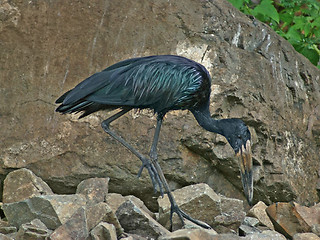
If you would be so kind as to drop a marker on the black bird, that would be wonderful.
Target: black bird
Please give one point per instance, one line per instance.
(161, 83)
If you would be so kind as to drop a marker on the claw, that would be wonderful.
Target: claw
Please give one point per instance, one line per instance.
(181, 214)
(156, 182)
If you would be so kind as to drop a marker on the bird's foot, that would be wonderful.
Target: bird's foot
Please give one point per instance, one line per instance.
(182, 215)
(154, 175)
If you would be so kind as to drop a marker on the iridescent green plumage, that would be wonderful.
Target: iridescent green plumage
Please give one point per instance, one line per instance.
(161, 83)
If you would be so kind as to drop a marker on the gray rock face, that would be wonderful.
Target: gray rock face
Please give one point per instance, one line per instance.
(201, 202)
(73, 217)
(52, 210)
(94, 189)
(104, 231)
(135, 220)
(47, 48)
(22, 184)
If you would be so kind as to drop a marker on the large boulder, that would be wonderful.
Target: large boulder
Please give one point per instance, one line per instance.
(48, 47)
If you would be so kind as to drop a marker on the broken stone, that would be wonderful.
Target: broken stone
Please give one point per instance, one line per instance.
(22, 184)
(251, 221)
(4, 223)
(249, 226)
(245, 230)
(231, 216)
(202, 203)
(283, 218)
(104, 231)
(133, 237)
(8, 230)
(198, 201)
(114, 200)
(292, 218)
(5, 237)
(52, 210)
(95, 189)
(84, 220)
(306, 216)
(315, 228)
(265, 235)
(75, 228)
(259, 211)
(305, 236)
(33, 230)
(136, 221)
(192, 234)
(101, 212)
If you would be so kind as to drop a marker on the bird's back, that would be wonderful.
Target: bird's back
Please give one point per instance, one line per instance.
(161, 83)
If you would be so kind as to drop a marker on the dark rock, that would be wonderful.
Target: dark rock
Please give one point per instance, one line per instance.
(94, 189)
(33, 230)
(104, 231)
(201, 202)
(8, 230)
(249, 226)
(115, 200)
(22, 184)
(52, 210)
(251, 221)
(136, 221)
(245, 230)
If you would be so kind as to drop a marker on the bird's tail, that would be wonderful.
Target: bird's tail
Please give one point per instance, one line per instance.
(83, 105)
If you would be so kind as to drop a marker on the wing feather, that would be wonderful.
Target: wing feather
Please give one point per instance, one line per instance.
(157, 82)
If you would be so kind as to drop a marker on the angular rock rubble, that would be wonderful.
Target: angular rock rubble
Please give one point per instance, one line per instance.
(94, 214)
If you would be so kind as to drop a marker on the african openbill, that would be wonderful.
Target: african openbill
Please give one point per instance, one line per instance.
(161, 83)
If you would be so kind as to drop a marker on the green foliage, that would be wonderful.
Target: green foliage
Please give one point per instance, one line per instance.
(298, 21)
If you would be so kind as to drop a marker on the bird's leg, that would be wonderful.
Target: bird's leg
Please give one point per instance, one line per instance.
(174, 206)
(145, 161)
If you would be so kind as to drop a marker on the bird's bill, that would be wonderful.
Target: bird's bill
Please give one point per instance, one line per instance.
(245, 163)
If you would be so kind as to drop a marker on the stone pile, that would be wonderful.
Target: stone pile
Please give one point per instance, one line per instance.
(33, 211)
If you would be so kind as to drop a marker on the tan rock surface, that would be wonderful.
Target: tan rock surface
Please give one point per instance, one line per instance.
(49, 47)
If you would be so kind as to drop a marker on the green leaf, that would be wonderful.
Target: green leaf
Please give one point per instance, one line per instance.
(236, 3)
(286, 18)
(307, 29)
(293, 35)
(311, 54)
(316, 23)
(266, 9)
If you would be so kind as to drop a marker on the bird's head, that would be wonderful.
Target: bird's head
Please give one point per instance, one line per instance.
(239, 137)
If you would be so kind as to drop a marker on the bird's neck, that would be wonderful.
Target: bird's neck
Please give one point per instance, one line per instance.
(207, 122)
